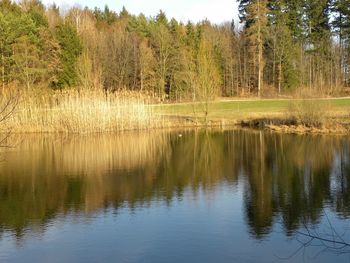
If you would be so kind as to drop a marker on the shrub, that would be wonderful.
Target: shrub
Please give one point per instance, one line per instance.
(309, 112)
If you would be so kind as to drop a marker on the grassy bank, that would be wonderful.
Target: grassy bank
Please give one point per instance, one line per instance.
(240, 109)
(331, 115)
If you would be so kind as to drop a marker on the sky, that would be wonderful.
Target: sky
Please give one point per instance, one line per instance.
(217, 11)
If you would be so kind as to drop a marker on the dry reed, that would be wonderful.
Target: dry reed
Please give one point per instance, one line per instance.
(73, 111)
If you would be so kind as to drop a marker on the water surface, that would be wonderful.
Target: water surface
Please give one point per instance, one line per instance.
(218, 196)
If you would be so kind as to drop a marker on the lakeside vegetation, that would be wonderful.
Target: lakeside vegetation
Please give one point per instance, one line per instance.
(95, 111)
(91, 70)
(79, 112)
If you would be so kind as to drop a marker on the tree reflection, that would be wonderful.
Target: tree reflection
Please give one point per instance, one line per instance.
(288, 176)
(284, 176)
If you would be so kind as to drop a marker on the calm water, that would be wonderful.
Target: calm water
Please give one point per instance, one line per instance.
(230, 196)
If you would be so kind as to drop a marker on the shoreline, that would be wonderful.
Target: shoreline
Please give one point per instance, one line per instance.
(94, 112)
(278, 125)
(285, 125)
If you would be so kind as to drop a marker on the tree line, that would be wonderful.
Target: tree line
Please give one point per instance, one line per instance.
(280, 45)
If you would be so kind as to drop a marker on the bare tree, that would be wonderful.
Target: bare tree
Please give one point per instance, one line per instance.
(8, 104)
(209, 81)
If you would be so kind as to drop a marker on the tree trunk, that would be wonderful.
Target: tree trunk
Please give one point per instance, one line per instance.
(279, 75)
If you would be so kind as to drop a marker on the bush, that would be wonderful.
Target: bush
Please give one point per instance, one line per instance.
(309, 112)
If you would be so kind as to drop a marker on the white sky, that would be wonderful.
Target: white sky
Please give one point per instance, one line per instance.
(217, 11)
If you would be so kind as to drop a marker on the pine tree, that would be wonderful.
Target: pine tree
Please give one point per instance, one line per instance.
(317, 21)
(255, 15)
(105, 16)
(140, 25)
(70, 50)
(341, 26)
(295, 13)
(243, 10)
(281, 47)
(18, 47)
(341, 21)
(124, 14)
(318, 36)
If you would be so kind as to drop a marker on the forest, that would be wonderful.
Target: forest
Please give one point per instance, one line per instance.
(279, 47)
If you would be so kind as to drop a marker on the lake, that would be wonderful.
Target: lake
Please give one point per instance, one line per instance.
(191, 196)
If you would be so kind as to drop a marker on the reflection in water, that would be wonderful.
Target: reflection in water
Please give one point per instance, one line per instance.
(285, 177)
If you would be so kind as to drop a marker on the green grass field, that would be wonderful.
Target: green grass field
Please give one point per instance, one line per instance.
(238, 109)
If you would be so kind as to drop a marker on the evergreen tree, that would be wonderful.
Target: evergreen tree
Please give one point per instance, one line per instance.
(161, 18)
(341, 21)
(318, 36)
(254, 14)
(341, 26)
(71, 48)
(140, 25)
(105, 16)
(317, 21)
(20, 49)
(295, 12)
(243, 10)
(281, 47)
(124, 14)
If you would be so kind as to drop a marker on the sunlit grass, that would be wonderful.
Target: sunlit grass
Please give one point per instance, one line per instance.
(238, 109)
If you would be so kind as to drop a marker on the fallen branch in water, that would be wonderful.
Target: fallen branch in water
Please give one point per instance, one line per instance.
(332, 242)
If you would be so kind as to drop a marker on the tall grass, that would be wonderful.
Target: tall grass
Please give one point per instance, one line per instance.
(75, 111)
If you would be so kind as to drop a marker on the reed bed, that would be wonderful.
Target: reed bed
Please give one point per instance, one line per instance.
(76, 111)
